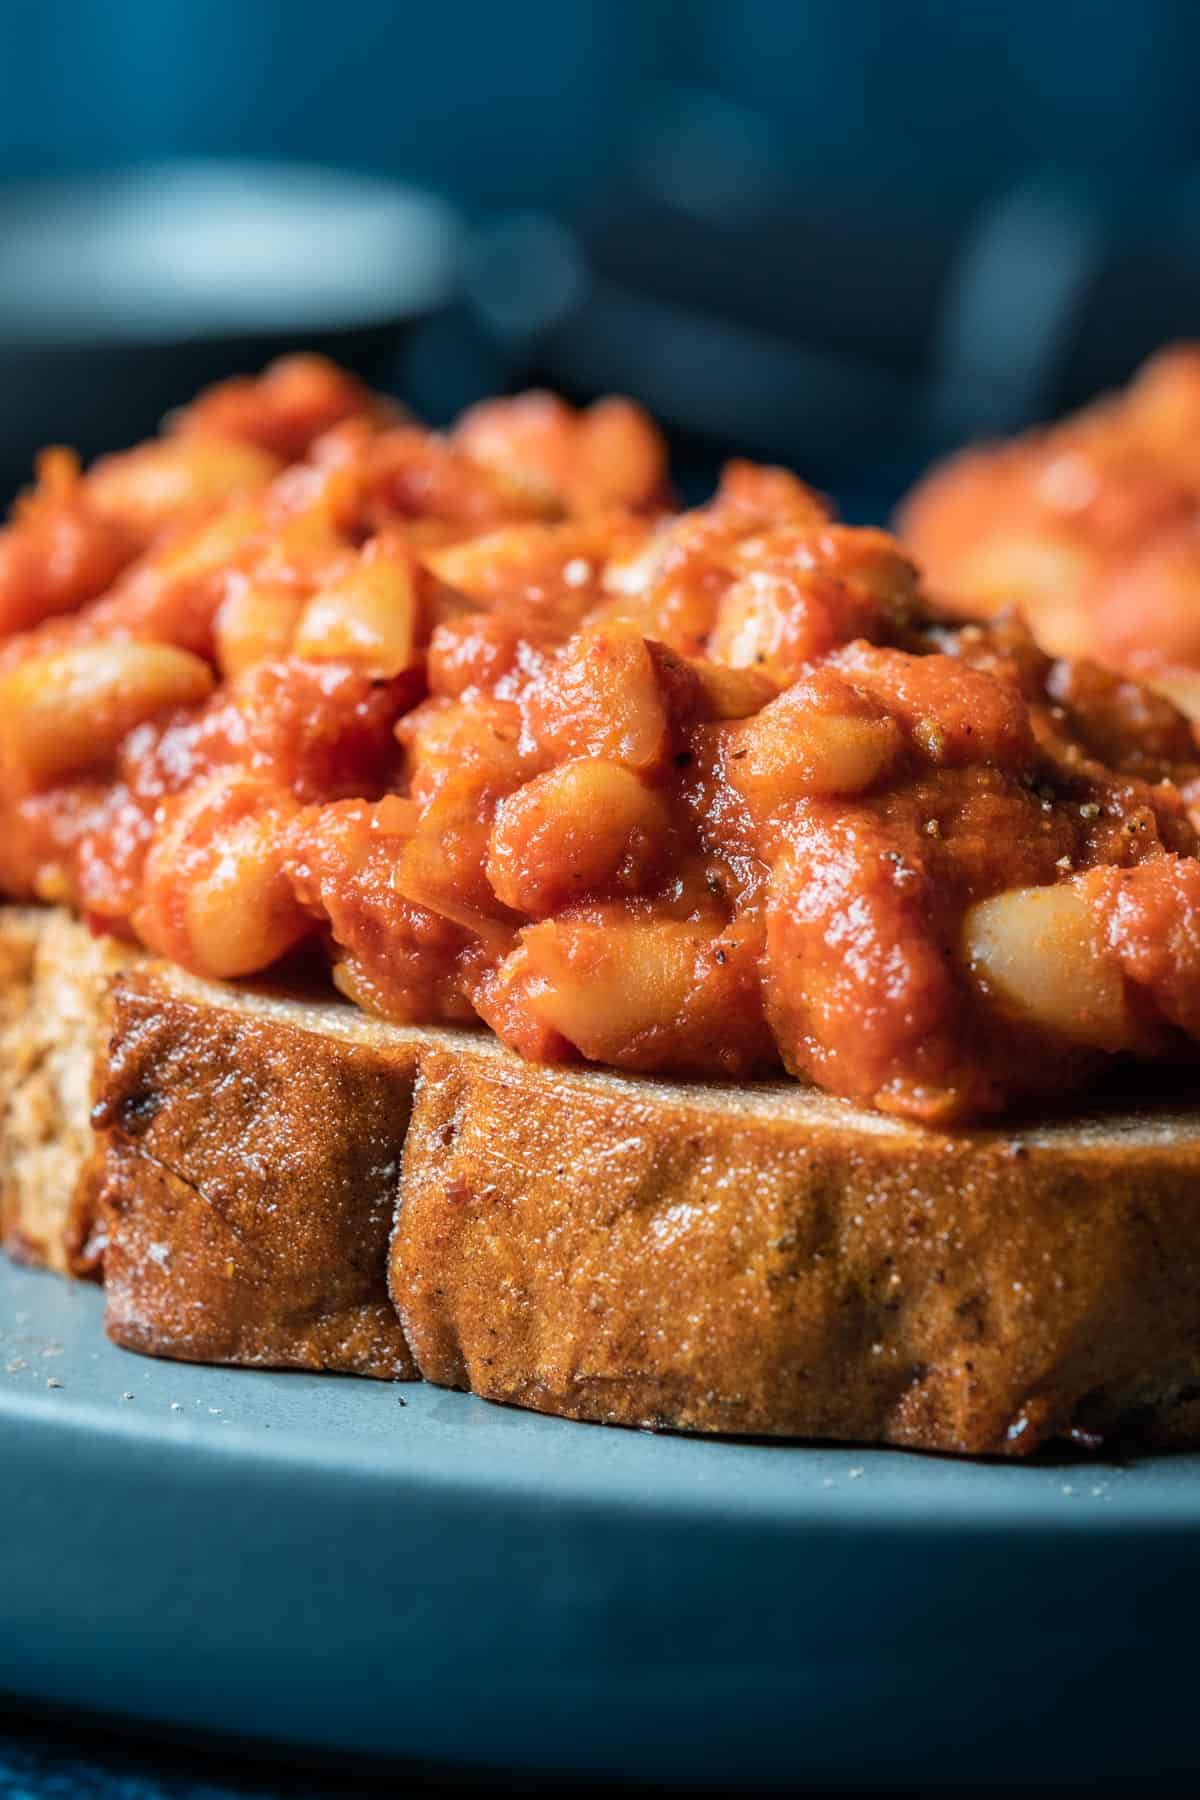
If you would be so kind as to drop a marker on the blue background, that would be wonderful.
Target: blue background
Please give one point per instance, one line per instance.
(832, 175)
(931, 106)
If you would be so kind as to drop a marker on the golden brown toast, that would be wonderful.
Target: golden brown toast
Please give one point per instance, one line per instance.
(251, 1163)
(754, 1258)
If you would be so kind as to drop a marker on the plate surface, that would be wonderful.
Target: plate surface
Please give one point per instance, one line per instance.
(407, 1571)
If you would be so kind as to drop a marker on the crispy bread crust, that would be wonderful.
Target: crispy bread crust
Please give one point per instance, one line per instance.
(736, 1259)
(773, 1262)
(249, 1187)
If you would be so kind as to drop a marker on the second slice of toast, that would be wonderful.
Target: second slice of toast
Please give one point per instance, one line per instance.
(54, 981)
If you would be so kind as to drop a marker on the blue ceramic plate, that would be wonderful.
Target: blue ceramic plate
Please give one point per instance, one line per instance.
(405, 1571)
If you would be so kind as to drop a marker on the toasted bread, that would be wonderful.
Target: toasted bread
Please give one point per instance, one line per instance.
(474, 727)
(291, 1184)
(252, 1161)
(54, 977)
(748, 1258)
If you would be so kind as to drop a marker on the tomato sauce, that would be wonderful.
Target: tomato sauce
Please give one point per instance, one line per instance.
(702, 793)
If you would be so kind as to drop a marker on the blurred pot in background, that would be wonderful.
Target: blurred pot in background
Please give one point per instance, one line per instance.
(122, 293)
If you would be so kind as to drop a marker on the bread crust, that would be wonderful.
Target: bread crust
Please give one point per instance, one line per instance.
(748, 1259)
(248, 1188)
(767, 1261)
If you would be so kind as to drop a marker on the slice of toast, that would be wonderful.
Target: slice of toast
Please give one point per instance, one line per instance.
(291, 1184)
(751, 1259)
(54, 978)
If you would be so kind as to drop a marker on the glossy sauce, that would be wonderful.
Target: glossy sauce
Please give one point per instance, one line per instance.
(698, 793)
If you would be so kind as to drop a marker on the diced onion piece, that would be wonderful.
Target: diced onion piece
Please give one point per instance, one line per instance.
(1038, 951)
(61, 715)
(256, 622)
(423, 879)
(489, 566)
(206, 547)
(441, 867)
(150, 487)
(368, 617)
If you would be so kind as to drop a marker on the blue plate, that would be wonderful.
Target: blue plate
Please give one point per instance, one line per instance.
(405, 1571)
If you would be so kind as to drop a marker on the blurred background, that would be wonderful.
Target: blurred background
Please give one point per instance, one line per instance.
(845, 234)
